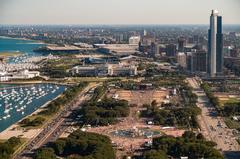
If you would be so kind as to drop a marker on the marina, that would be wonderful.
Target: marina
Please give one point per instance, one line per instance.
(18, 101)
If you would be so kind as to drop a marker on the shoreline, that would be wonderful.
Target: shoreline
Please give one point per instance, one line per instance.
(26, 39)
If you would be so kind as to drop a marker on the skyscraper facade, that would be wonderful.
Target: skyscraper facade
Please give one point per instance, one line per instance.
(181, 44)
(215, 45)
(219, 46)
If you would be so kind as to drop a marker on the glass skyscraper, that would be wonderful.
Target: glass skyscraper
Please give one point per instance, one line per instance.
(215, 45)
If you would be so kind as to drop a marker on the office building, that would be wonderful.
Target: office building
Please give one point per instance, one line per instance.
(219, 46)
(147, 41)
(215, 45)
(197, 61)
(171, 50)
(181, 44)
(182, 59)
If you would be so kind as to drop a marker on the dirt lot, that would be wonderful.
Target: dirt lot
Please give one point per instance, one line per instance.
(140, 97)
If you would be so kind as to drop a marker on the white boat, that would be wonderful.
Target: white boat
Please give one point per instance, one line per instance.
(6, 111)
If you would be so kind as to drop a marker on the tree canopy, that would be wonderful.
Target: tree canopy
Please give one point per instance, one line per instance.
(190, 144)
(79, 145)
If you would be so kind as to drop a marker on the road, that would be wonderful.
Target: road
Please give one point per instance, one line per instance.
(212, 126)
(56, 127)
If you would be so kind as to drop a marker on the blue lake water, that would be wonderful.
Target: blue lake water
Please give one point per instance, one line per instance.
(18, 101)
(19, 45)
(13, 45)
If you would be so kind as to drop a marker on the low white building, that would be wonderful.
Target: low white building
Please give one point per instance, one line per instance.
(122, 70)
(3, 76)
(105, 70)
(25, 74)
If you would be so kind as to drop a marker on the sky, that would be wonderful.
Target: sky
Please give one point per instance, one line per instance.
(117, 11)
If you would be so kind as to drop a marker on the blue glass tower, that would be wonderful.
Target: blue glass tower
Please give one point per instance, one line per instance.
(219, 45)
(215, 45)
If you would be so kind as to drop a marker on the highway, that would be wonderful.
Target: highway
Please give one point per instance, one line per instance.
(56, 127)
(213, 126)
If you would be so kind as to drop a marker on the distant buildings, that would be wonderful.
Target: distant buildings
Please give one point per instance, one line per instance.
(117, 49)
(215, 45)
(194, 61)
(134, 40)
(171, 50)
(61, 49)
(147, 40)
(181, 44)
(235, 52)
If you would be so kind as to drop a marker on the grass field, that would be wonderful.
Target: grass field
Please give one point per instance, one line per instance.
(229, 100)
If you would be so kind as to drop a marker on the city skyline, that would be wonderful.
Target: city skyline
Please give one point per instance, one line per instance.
(111, 79)
(116, 12)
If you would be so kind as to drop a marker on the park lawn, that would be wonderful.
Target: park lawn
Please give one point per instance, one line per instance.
(232, 124)
(46, 118)
(230, 100)
(2, 140)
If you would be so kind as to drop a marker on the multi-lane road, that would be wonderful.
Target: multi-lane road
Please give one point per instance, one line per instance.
(213, 126)
(56, 127)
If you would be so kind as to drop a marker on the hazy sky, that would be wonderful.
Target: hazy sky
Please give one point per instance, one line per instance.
(116, 11)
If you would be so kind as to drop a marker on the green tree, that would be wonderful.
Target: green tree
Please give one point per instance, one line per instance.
(45, 153)
(153, 154)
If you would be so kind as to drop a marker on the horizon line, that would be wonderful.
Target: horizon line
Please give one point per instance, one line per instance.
(34, 24)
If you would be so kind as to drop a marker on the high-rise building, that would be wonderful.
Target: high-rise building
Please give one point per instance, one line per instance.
(219, 46)
(181, 44)
(197, 61)
(195, 39)
(171, 50)
(215, 45)
(153, 50)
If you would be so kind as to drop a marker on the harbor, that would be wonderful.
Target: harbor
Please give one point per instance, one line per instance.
(19, 101)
